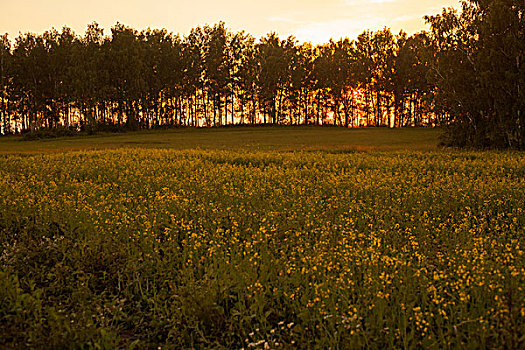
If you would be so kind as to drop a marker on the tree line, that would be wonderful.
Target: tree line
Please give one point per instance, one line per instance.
(465, 73)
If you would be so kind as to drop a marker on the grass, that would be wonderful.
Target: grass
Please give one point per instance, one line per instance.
(262, 238)
(250, 138)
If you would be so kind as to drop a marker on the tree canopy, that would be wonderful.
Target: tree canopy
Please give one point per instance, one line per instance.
(479, 74)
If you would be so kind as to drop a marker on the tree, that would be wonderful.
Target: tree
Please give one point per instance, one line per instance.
(364, 69)
(274, 64)
(217, 69)
(479, 72)
(334, 70)
(193, 52)
(412, 90)
(124, 62)
(5, 84)
(244, 68)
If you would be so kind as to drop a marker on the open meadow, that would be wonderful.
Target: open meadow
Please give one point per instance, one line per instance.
(297, 138)
(260, 238)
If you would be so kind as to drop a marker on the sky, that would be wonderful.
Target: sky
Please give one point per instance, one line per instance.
(308, 20)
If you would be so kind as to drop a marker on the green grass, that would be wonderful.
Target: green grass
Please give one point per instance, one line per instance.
(279, 238)
(251, 138)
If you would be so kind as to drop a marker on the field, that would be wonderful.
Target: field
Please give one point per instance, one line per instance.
(261, 239)
(245, 138)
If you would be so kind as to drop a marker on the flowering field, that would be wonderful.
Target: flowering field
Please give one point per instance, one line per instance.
(262, 249)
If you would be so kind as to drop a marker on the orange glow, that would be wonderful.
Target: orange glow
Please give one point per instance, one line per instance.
(308, 20)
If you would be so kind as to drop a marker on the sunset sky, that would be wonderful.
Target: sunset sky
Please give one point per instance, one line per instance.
(308, 20)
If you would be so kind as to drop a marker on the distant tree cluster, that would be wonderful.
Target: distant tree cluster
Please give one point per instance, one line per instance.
(212, 77)
(465, 73)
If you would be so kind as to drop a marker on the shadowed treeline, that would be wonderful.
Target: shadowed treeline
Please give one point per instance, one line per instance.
(214, 77)
(465, 73)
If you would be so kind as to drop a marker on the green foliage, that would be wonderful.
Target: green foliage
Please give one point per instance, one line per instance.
(480, 74)
(49, 133)
(211, 77)
(138, 248)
